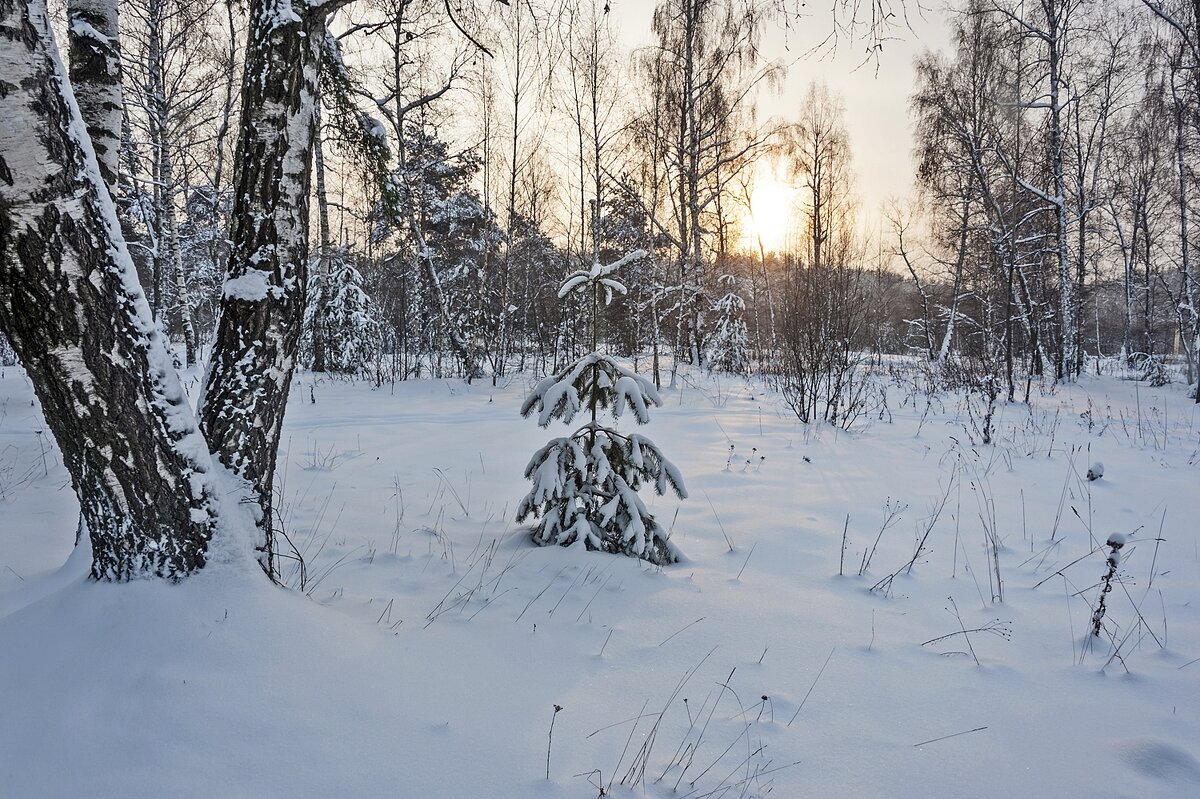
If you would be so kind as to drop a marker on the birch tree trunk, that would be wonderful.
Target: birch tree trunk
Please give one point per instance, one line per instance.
(1055, 38)
(959, 260)
(262, 306)
(174, 253)
(168, 255)
(71, 306)
(95, 66)
(1185, 305)
(320, 298)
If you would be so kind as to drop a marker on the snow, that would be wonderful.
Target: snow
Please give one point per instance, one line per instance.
(428, 651)
(81, 27)
(375, 128)
(251, 286)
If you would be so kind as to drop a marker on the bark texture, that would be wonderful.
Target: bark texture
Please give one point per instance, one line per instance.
(71, 306)
(262, 308)
(95, 65)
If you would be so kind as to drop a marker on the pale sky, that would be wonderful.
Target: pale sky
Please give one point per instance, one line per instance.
(876, 102)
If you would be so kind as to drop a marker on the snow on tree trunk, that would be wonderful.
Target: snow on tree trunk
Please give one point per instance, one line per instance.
(95, 64)
(585, 484)
(72, 308)
(319, 299)
(262, 306)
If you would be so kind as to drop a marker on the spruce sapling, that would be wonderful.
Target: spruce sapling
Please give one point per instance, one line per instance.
(727, 349)
(585, 484)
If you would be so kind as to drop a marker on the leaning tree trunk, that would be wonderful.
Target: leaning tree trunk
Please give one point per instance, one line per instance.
(95, 61)
(72, 308)
(262, 306)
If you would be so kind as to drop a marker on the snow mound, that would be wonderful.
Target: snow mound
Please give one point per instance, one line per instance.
(222, 685)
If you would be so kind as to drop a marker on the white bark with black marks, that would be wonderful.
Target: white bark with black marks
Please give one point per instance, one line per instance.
(262, 307)
(72, 308)
(95, 66)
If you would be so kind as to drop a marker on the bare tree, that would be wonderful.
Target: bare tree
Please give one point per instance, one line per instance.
(1048, 24)
(702, 72)
(172, 89)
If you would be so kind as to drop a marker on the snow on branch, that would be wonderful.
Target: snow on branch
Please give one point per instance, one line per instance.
(607, 383)
(585, 485)
(600, 276)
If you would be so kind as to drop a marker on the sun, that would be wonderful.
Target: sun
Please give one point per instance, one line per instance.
(769, 219)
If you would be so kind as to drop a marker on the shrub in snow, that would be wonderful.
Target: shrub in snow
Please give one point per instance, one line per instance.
(585, 484)
(1095, 471)
(1152, 369)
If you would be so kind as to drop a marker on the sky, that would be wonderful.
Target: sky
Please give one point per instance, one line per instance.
(876, 100)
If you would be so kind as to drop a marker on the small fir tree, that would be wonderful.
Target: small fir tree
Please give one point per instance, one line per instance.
(350, 322)
(728, 346)
(585, 485)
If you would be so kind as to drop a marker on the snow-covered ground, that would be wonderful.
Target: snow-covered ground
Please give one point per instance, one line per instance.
(424, 651)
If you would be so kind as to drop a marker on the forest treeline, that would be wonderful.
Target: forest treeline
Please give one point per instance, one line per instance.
(464, 163)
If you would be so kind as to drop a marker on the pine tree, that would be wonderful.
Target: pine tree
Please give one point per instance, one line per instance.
(446, 231)
(585, 485)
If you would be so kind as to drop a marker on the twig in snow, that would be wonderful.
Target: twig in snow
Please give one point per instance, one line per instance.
(952, 735)
(550, 743)
(681, 629)
(728, 542)
(748, 554)
(811, 687)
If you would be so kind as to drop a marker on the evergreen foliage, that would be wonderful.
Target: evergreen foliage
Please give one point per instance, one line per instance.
(727, 348)
(351, 322)
(585, 485)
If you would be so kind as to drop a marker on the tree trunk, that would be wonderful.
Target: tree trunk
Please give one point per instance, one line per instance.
(322, 293)
(960, 259)
(173, 256)
(71, 306)
(95, 62)
(262, 306)
(1067, 354)
(1186, 311)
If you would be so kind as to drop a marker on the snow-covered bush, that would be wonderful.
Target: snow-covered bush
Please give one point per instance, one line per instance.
(1152, 369)
(585, 484)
